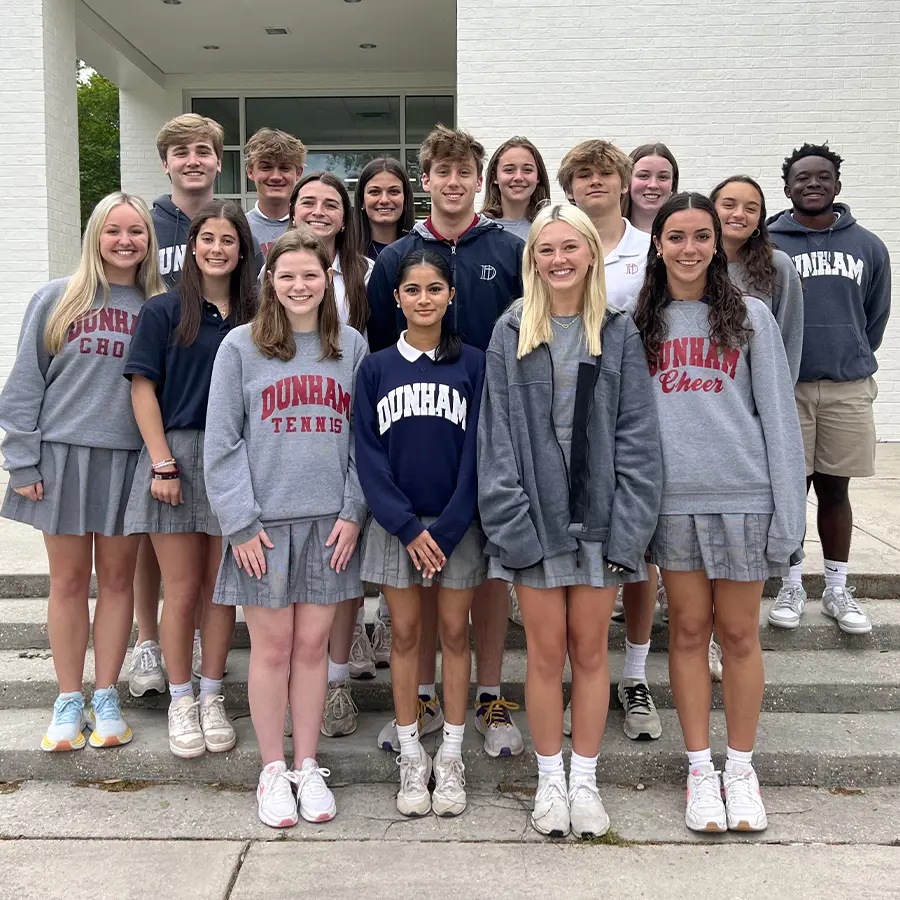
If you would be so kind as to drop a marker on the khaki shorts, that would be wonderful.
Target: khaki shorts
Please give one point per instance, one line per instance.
(838, 426)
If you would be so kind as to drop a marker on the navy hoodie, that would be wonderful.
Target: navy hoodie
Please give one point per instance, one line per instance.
(172, 226)
(416, 428)
(846, 275)
(486, 263)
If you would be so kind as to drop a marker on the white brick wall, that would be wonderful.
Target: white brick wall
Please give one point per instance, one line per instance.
(728, 88)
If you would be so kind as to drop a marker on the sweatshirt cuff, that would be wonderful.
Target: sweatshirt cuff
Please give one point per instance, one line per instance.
(782, 550)
(447, 544)
(19, 478)
(245, 534)
(354, 511)
(410, 531)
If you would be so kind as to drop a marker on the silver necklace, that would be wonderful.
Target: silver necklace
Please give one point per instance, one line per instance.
(565, 324)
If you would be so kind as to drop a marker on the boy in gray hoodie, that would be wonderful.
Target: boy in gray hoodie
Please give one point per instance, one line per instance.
(846, 276)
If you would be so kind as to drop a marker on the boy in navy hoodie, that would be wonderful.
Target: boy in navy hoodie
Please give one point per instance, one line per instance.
(486, 263)
(846, 274)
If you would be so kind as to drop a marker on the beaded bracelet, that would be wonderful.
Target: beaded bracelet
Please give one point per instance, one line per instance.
(155, 467)
(166, 476)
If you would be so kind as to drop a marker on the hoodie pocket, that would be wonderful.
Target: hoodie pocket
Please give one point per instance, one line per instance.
(838, 341)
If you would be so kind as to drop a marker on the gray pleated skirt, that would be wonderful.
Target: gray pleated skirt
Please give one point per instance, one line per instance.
(724, 545)
(584, 567)
(298, 570)
(386, 561)
(86, 491)
(145, 515)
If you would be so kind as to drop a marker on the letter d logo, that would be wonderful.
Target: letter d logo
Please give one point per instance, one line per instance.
(488, 273)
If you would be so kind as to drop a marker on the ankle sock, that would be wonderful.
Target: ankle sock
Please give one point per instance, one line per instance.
(636, 660)
(427, 691)
(550, 765)
(492, 691)
(409, 740)
(794, 578)
(836, 573)
(177, 691)
(361, 616)
(699, 758)
(583, 766)
(738, 760)
(453, 738)
(210, 686)
(338, 671)
(71, 695)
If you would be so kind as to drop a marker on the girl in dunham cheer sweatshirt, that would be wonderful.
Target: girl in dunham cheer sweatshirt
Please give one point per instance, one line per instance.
(733, 504)
(71, 448)
(416, 413)
(281, 478)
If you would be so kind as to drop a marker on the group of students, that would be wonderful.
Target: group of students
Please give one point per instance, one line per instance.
(268, 410)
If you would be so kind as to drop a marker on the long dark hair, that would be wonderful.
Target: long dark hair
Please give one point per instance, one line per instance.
(450, 346)
(346, 244)
(493, 203)
(756, 252)
(361, 220)
(243, 276)
(640, 153)
(727, 309)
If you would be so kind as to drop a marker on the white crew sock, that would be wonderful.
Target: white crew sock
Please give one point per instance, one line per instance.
(699, 758)
(210, 686)
(636, 660)
(409, 740)
(836, 573)
(338, 671)
(177, 691)
(427, 691)
(453, 738)
(550, 765)
(492, 690)
(794, 578)
(582, 767)
(738, 760)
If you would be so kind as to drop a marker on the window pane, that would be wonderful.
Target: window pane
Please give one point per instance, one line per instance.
(328, 120)
(412, 169)
(422, 203)
(423, 113)
(229, 179)
(225, 111)
(346, 164)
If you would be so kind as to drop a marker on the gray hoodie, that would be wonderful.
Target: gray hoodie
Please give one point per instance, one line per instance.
(785, 303)
(78, 396)
(728, 425)
(846, 274)
(279, 438)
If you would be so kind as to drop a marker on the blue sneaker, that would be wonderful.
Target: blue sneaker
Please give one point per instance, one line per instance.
(105, 718)
(66, 726)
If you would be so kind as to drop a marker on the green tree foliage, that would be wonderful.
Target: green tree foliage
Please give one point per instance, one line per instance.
(98, 139)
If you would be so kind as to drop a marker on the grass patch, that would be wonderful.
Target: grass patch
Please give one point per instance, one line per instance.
(610, 839)
(119, 785)
(519, 789)
(9, 787)
(846, 792)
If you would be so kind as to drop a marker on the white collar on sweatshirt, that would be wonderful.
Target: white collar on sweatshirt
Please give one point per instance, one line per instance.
(410, 354)
(282, 219)
(633, 243)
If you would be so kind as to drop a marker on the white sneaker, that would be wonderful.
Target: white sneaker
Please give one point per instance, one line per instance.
(840, 604)
(515, 614)
(551, 806)
(218, 732)
(145, 671)
(197, 659)
(185, 735)
(276, 803)
(449, 798)
(641, 718)
(340, 715)
(715, 660)
(413, 798)
(315, 800)
(431, 719)
(567, 720)
(109, 728)
(662, 598)
(704, 809)
(743, 801)
(618, 613)
(362, 656)
(382, 640)
(788, 607)
(492, 720)
(66, 728)
(586, 812)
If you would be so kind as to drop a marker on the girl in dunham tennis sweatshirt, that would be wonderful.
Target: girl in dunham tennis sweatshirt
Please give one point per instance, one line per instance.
(733, 502)
(281, 479)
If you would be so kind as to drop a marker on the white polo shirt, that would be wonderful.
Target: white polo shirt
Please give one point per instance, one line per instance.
(625, 267)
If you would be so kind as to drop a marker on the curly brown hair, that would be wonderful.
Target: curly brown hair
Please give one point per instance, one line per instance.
(727, 309)
(756, 252)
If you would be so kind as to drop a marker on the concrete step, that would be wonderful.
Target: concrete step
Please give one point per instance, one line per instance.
(23, 625)
(823, 681)
(792, 749)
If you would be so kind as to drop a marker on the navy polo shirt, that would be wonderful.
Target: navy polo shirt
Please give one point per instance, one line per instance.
(182, 374)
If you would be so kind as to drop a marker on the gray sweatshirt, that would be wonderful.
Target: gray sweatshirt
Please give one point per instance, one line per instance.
(77, 397)
(785, 303)
(728, 425)
(265, 230)
(279, 438)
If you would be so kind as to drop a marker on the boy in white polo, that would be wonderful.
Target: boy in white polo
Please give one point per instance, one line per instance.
(595, 175)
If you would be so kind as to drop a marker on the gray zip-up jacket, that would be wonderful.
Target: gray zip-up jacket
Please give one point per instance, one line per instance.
(531, 506)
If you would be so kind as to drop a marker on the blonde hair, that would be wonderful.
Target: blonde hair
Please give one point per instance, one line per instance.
(187, 128)
(78, 297)
(275, 146)
(536, 327)
(594, 155)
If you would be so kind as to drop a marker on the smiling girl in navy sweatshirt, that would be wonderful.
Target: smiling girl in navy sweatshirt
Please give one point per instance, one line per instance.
(417, 402)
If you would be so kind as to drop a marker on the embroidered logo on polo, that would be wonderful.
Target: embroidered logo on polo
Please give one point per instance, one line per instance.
(305, 390)
(697, 352)
(631, 268)
(421, 399)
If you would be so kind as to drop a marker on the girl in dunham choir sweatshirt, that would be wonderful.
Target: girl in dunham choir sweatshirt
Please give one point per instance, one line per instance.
(733, 502)
(416, 413)
(281, 479)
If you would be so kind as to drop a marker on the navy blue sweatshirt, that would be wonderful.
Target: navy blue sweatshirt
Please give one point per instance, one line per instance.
(416, 424)
(486, 263)
(846, 275)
